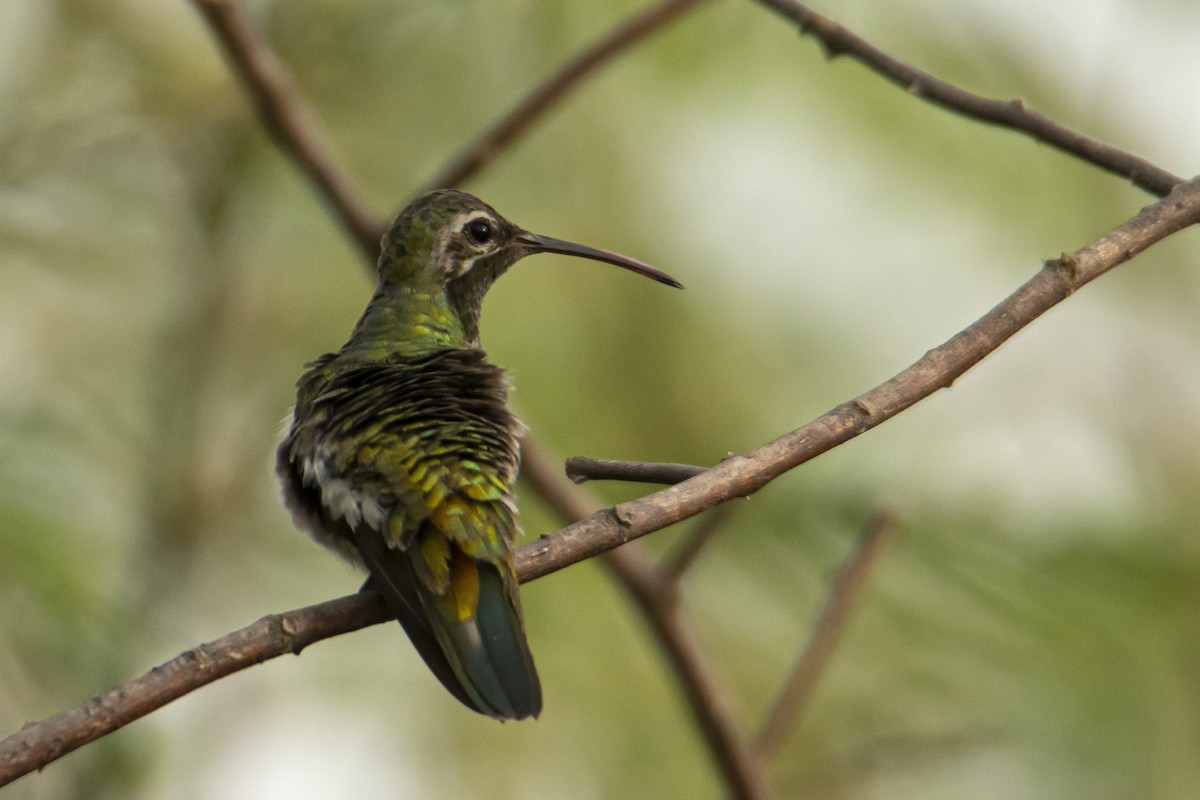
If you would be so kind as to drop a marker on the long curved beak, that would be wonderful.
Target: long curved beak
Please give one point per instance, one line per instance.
(546, 244)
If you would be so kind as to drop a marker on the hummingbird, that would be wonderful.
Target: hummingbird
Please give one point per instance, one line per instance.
(402, 454)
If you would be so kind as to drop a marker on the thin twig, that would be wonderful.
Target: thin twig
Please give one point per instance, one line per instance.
(740, 476)
(836, 40)
(581, 469)
(696, 541)
(653, 592)
(288, 121)
(794, 698)
(551, 92)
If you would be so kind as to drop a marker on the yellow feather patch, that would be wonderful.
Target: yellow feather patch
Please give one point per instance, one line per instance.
(435, 495)
(435, 550)
(477, 492)
(464, 586)
(395, 528)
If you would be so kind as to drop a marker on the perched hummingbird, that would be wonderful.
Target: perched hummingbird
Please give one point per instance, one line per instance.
(402, 453)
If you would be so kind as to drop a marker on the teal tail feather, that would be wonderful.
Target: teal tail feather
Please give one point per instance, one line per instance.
(489, 653)
(485, 661)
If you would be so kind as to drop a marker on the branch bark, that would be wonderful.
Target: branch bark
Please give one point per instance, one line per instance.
(742, 475)
(581, 469)
(39, 743)
(837, 40)
(290, 124)
(653, 591)
(521, 118)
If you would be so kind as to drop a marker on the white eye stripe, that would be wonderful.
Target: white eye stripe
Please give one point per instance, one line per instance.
(478, 228)
(467, 217)
(471, 216)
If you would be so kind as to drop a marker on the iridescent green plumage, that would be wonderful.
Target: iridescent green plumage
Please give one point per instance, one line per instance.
(402, 454)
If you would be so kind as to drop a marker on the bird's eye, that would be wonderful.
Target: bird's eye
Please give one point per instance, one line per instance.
(480, 231)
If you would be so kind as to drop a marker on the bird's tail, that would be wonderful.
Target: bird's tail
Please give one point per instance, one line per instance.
(472, 636)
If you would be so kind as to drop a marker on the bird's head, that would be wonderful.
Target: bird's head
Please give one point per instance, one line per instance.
(453, 244)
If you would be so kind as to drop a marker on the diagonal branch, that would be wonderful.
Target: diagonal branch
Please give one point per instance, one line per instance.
(544, 97)
(293, 129)
(281, 112)
(37, 744)
(652, 590)
(797, 691)
(1014, 114)
(739, 476)
(685, 555)
(289, 122)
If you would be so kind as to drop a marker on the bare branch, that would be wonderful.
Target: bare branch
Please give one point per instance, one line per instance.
(281, 113)
(697, 539)
(654, 593)
(793, 699)
(581, 469)
(743, 475)
(652, 590)
(295, 131)
(1014, 114)
(570, 76)
(288, 121)
(39, 743)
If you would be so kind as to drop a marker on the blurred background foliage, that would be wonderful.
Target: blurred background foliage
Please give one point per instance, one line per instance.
(164, 273)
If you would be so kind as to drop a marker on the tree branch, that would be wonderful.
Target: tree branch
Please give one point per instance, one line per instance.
(37, 744)
(1013, 114)
(681, 560)
(581, 469)
(652, 591)
(281, 112)
(739, 476)
(287, 120)
(793, 699)
(570, 76)
(294, 130)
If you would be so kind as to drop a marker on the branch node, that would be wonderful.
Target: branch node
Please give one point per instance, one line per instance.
(1066, 266)
(864, 406)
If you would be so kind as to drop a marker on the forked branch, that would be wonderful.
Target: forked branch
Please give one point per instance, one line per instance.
(294, 129)
(39, 743)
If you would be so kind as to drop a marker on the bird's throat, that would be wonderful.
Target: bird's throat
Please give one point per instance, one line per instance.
(406, 322)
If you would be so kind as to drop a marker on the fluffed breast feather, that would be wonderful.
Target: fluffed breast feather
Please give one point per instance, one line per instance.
(398, 444)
